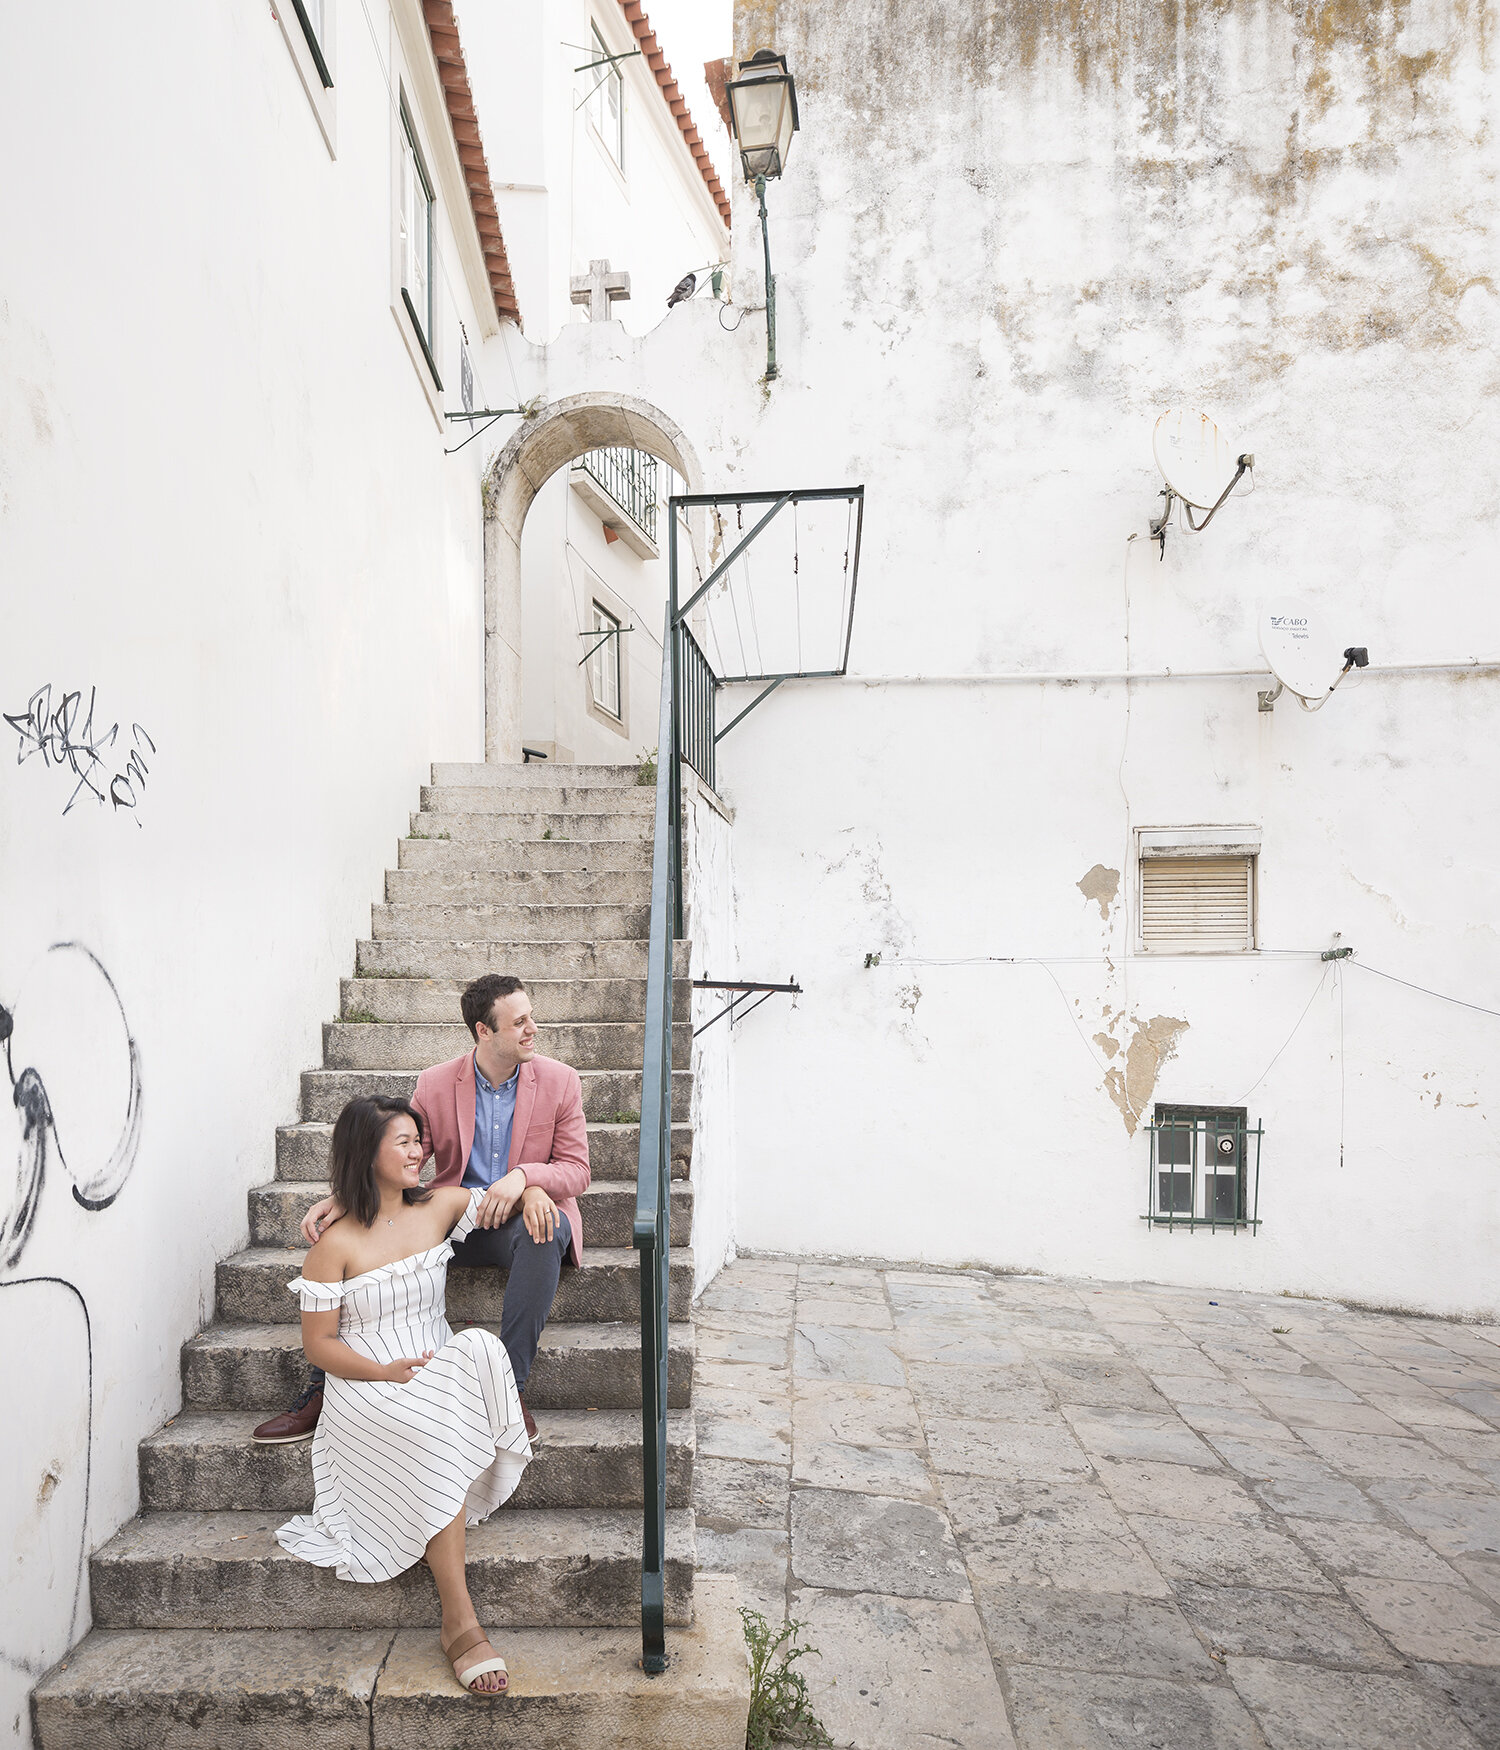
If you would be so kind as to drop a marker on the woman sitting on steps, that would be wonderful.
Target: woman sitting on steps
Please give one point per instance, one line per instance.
(422, 1431)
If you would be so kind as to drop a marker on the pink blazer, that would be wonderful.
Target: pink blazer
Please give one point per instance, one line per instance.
(548, 1140)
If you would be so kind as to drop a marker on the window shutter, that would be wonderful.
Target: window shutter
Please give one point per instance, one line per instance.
(1197, 904)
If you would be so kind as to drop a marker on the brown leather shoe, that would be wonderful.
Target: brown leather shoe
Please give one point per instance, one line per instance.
(294, 1424)
(530, 1421)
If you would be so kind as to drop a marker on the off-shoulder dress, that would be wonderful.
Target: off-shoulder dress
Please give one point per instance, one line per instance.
(393, 1464)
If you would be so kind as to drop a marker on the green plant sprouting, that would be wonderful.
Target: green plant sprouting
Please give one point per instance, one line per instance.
(779, 1709)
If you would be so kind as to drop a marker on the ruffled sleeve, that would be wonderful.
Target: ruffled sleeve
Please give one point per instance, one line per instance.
(318, 1296)
(465, 1223)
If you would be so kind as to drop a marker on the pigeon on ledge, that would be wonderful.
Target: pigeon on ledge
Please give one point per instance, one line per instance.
(683, 289)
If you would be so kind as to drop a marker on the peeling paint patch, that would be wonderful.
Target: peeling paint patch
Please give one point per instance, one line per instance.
(1102, 886)
(1107, 1043)
(1132, 1086)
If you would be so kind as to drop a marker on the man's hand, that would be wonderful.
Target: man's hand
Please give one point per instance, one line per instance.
(539, 1213)
(499, 1203)
(321, 1215)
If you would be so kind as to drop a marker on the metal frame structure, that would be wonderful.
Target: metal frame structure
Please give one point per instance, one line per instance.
(687, 731)
(744, 989)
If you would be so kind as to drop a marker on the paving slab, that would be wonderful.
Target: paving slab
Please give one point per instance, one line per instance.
(1227, 1555)
(1048, 1534)
(1139, 1434)
(743, 1424)
(1270, 1624)
(1430, 1621)
(1000, 1393)
(873, 1543)
(1098, 1381)
(841, 1353)
(729, 1492)
(1015, 1450)
(1376, 1550)
(1456, 1522)
(1301, 1707)
(1071, 1710)
(1474, 1691)
(871, 1470)
(895, 1672)
(1092, 1631)
(860, 1415)
(1177, 1491)
(862, 1315)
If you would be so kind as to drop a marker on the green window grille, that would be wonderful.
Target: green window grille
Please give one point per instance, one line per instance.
(1205, 1169)
(629, 477)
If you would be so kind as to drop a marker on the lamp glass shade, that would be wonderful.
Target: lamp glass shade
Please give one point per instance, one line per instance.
(764, 105)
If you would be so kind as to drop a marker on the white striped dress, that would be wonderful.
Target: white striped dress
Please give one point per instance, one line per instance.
(392, 1464)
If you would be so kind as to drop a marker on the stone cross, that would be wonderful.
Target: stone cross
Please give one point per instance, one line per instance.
(598, 288)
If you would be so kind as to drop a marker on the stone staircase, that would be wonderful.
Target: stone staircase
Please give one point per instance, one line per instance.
(206, 1632)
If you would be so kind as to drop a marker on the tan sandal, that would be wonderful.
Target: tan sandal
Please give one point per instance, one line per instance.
(453, 1652)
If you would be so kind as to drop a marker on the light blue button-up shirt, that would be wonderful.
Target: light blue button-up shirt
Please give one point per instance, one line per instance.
(494, 1114)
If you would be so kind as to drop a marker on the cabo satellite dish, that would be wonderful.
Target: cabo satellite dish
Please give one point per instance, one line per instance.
(1195, 458)
(1200, 467)
(1302, 654)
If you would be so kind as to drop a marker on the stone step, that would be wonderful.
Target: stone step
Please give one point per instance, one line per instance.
(608, 1094)
(629, 855)
(261, 1367)
(554, 798)
(538, 775)
(206, 1462)
(487, 826)
(578, 1567)
(608, 1212)
(350, 1689)
(512, 923)
(614, 1151)
(518, 887)
(401, 1044)
(604, 1289)
(425, 958)
(553, 1000)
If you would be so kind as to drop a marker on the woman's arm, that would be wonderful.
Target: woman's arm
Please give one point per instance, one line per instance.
(324, 1348)
(321, 1343)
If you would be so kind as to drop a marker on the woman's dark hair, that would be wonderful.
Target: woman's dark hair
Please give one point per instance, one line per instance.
(357, 1137)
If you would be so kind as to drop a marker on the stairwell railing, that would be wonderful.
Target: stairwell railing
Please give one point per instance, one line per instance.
(687, 733)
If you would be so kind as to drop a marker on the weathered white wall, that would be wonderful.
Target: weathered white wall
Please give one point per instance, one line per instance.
(563, 199)
(1007, 239)
(224, 505)
(564, 555)
(708, 856)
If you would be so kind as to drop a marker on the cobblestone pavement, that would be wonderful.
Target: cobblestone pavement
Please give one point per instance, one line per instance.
(1070, 1515)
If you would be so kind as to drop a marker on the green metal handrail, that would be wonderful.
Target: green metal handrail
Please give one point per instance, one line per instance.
(653, 1186)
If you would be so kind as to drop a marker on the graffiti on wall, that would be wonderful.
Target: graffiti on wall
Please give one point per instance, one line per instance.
(64, 736)
(75, 1076)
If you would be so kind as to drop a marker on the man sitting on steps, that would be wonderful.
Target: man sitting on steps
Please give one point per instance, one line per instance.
(503, 1117)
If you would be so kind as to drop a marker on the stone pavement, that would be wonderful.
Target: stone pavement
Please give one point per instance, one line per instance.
(1069, 1515)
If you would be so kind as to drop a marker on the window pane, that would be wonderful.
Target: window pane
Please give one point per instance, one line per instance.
(1174, 1145)
(1174, 1193)
(1223, 1194)
(604, 663)
(416, 230)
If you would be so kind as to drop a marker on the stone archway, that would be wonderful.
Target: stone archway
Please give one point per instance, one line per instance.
(558, 435)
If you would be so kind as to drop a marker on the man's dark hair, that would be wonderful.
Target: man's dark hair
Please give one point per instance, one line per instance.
(480, 998)
(357, 1137)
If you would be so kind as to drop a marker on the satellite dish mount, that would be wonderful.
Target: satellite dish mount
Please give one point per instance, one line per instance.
(1194, 457)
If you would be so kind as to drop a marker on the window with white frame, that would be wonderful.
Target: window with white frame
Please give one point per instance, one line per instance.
(417, 220)
(604, 660)
(605, 103)
(1197, 890)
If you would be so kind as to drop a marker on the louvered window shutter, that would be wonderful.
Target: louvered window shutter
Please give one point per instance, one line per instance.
(1197, 904)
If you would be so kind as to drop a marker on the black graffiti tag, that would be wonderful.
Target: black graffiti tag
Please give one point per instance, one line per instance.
(65, 737)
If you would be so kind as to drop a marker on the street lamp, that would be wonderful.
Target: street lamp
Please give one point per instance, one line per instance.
(763, 103)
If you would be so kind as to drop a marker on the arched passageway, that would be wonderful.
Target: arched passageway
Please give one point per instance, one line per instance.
(558, 435)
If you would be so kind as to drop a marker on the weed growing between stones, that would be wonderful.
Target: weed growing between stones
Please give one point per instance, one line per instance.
(362, 1015)
(779, 1710)
(645, 772)
(626, 1118)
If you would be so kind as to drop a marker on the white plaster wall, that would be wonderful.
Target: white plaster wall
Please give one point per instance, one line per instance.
(563, 200)
(1006, 241)
(708, 855)
(224, 505)
(564, 554)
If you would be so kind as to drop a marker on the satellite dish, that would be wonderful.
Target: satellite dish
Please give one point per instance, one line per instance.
(1299, 649)
(1197, 461)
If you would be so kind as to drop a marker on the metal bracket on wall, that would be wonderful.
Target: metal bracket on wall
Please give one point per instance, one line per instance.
(744, 989)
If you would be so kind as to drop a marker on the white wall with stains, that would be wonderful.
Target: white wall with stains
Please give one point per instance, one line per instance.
(1008, 238)
(226, 517)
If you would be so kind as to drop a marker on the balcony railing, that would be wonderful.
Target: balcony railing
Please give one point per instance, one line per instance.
(629, 478)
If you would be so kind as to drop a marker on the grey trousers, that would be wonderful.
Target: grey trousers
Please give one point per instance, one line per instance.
(534, 1267)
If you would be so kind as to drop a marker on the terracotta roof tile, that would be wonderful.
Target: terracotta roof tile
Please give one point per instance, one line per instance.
(442, 29)
(651, 52)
